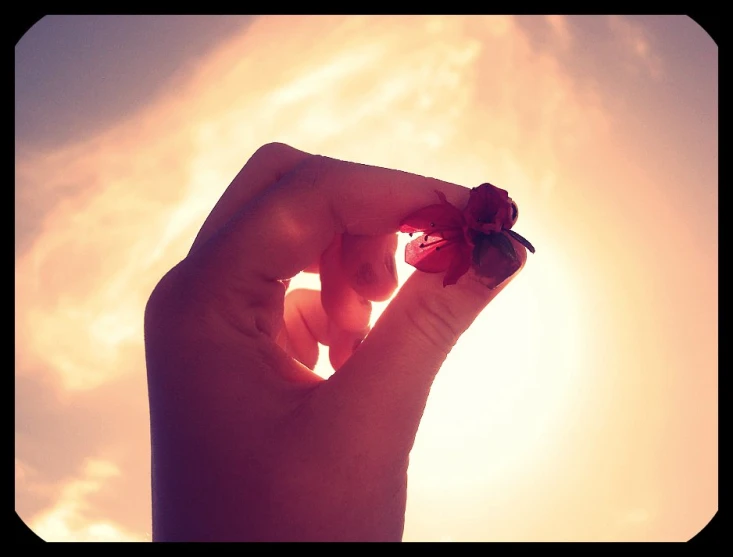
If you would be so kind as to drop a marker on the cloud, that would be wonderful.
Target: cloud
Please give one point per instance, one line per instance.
(56, 431)
(73, 519)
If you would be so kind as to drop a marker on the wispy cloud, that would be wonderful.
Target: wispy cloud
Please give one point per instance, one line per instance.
(72, 518)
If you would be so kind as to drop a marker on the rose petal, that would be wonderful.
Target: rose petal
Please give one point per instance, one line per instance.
(488, 209)
(460, 264)
(433, 257)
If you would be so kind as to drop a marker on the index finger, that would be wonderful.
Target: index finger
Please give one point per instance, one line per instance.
(288, 226)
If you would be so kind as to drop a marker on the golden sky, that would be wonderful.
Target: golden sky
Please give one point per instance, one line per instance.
(581, 405)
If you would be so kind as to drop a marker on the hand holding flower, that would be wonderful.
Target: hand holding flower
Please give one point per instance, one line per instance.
(248, 443)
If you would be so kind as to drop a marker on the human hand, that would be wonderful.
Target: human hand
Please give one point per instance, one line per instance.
(248, 444)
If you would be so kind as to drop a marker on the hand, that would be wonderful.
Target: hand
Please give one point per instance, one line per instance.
(248, 443)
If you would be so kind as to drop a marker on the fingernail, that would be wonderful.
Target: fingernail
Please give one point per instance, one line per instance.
(365, 274)
(501, 273)
(389, 264)
(493, 265)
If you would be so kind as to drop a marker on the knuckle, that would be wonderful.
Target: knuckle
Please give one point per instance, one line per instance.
(176, 306)
(161, 293)
(190, 302)
(165, 299)
(269, 150)
(313, 168)
(435, 321)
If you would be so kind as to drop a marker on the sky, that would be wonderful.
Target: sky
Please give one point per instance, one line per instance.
(582, 403)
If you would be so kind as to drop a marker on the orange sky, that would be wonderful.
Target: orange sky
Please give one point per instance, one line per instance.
(582, 405)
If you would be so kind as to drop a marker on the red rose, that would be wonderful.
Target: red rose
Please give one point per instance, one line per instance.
(453, 239)
(489, 209)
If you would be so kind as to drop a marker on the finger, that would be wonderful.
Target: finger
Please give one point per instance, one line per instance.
(307, 325)
(266, 166)
(291, 224)
(397, 362)
(343, 344)
(349, 310)
(369, 264)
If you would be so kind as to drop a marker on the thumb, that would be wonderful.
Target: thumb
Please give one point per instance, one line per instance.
(388, 379)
